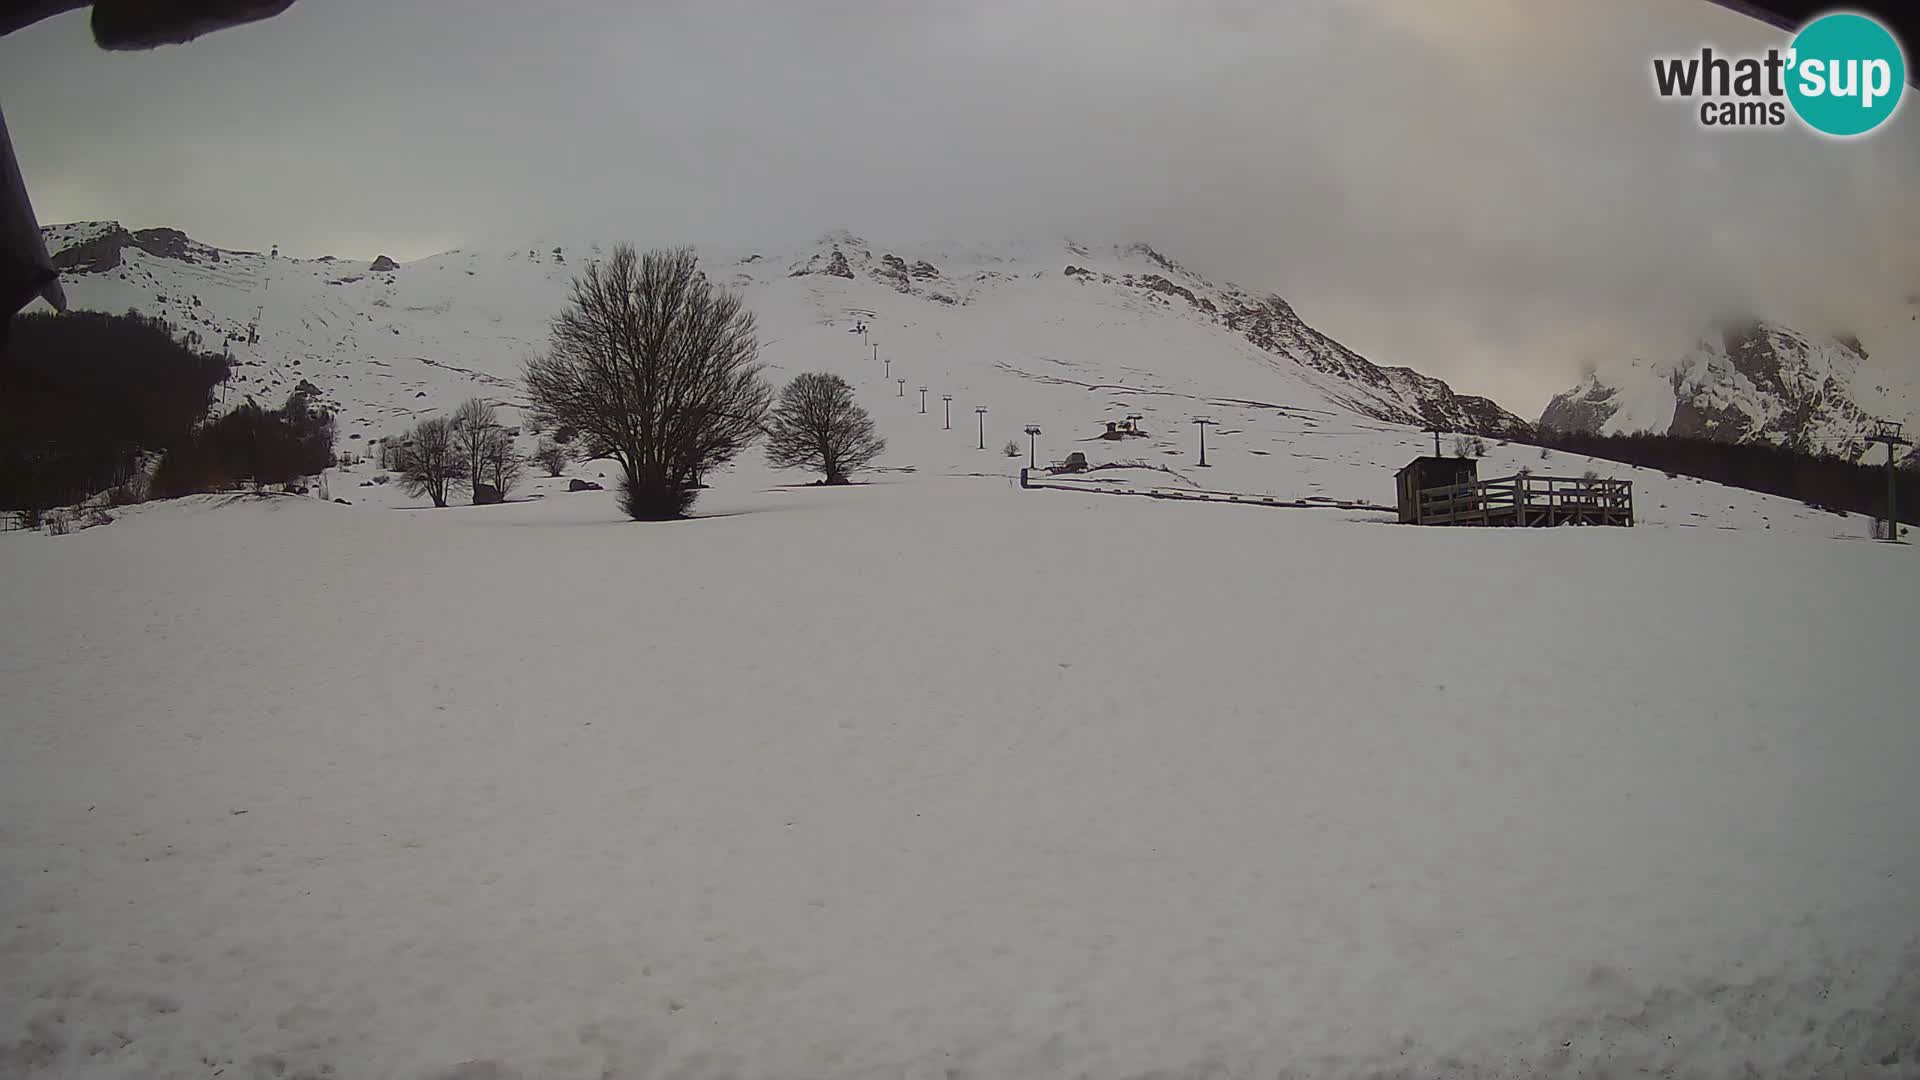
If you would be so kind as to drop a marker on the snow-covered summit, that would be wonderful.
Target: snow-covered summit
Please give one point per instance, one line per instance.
(1745, 380)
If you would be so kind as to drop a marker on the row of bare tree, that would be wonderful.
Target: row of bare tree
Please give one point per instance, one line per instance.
(468, 449)
(654, 368)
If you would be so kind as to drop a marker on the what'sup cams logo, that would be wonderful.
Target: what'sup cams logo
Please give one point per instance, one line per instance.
(1842, 74)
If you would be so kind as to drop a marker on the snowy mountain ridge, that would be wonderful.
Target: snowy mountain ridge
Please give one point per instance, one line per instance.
(1745, 380)
(1391, 394)
(378, 337)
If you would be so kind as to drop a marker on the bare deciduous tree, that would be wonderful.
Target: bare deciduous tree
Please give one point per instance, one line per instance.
(428, 461)
(818, 426)
(474, 424)
(499, 465)
(655, 368)
(552, 457)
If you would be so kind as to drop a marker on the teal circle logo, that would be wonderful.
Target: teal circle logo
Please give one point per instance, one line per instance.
(1845, 74)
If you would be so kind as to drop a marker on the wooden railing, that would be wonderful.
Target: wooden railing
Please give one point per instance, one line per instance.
(1530, 500)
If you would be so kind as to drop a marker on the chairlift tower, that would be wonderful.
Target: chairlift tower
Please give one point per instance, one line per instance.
(1203, 423)
(1889, 432)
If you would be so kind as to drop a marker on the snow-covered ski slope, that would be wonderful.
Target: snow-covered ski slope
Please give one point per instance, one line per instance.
(1005, 327)
(935, 777)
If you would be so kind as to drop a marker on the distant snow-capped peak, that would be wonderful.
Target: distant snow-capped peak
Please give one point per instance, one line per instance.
(1745, 380)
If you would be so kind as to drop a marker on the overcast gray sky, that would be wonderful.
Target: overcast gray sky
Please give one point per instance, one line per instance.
(1484, 189)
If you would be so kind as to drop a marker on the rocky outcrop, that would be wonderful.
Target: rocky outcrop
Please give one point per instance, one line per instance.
(104, 251)
(98, 255)
(1156, 283)
(1586, 407)
(172, 244)
(1159, 260)
(1693, 419)
(899, 276)
(834, 264)
(383, 264)
(893, 271)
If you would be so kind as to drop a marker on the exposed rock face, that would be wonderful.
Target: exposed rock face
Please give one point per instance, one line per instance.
(1704, 420)
(1159, 260)
(893, 271)
(1746, 380)
(384, 264)
(103, 252)
(1586, 407)
(1159, 284)
(835, 264)
(93, 256)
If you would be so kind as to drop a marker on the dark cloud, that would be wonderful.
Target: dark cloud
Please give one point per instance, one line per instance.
(1485, 189)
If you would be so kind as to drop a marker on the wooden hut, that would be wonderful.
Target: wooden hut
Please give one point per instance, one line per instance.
(1429, 472)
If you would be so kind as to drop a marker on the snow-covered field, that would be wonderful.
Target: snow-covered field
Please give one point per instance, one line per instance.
(934, 777)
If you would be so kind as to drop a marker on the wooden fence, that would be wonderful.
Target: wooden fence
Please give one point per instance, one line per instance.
(1528, 500)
